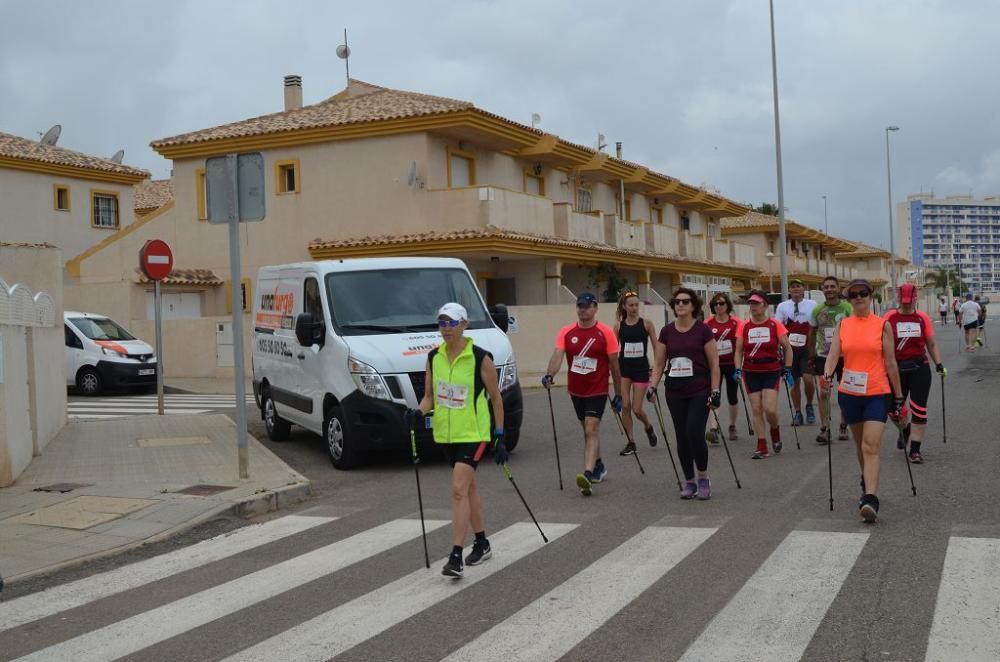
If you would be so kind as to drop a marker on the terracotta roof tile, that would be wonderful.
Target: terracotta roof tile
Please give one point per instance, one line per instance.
(16, 147)
(186, 277)
(864, 250)
(153, 193)
(8, 244)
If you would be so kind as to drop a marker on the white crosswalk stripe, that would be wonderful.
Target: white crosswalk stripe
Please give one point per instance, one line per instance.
(173, 403)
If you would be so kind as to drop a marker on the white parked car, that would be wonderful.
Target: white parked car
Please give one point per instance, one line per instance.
(100, 354)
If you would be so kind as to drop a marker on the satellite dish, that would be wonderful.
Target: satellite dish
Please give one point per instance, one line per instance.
(52, 135)
(343, 51)
(411, 179)
(119, 155)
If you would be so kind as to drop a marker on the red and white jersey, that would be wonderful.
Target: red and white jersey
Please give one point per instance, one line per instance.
(725, 334)
(795, 316)
(910, 334)
(587, 351)
(761, 344)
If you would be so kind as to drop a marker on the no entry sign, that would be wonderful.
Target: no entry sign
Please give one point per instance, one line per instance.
(155, 259)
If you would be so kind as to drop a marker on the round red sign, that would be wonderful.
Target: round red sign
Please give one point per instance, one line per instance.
(155, 259)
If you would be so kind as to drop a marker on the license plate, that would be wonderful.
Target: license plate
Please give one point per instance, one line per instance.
(148, 371)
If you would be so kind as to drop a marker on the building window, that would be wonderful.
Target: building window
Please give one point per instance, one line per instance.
(60, 197)
(199, 193)
(461, 169)
(685, 221)
(656, 215)
(628, 210)
(103, 209)
(534, 184)
(713, 230)
(584, 200)
(287, 176)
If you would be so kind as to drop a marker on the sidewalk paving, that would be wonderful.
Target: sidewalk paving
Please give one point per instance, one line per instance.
(204, 385)
(123, 480)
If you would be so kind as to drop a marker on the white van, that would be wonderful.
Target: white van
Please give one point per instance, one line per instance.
(340, 348)
(100, 354)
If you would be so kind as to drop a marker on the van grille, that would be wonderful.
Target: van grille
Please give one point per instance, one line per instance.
(141, 357)
(417, 379)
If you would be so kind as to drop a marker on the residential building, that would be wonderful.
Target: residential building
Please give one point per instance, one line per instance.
(958, 232)
(60, 197)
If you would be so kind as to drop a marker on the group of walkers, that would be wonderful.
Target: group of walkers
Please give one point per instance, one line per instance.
(877, 363)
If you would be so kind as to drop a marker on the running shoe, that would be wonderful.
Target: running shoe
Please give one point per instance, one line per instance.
(583, 481)
(651, 435)
(797, 419)
(979, 340)
(869, 508)
(916, 457)
(599, 473)
(704, 489)
(628, 450)
(810, 414)
(733, 436)
(761, 451)
(480, 552)
(712, 436)
(777, 446)
(453, 568)
(843, 432)
(690, 490)
(824, 436)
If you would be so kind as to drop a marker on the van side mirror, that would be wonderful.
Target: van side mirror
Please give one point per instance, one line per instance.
(309, 331)
(500, 317)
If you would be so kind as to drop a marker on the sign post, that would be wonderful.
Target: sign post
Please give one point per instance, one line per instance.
(235, 192)
(156, 260)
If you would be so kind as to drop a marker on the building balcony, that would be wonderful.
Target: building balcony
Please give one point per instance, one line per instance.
(569, 224)
(691, 246)
(662, 239)
(481, 206)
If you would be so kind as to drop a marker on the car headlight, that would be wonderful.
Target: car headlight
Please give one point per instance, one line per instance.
(111, 352)
(508, 375)
(368, 380)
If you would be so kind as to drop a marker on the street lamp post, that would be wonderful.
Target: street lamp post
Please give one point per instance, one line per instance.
(826, 223)
(892, 242)
(782, 260)
(770, 268)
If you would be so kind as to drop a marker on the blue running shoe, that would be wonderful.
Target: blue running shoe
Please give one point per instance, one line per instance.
(810, 414)
(797, 418)
(599, 473)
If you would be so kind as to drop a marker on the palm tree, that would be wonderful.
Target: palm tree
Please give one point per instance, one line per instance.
(944, 277)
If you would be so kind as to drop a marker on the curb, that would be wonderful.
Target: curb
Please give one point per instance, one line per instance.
(253, 505)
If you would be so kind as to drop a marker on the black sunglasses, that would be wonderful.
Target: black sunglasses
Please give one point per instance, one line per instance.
(674, 302)
(718, 303)
(859, 294)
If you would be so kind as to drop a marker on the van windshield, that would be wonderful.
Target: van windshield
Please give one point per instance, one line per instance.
(100, 328)
(400, 301)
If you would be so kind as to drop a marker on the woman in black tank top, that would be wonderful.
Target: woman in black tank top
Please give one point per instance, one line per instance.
(633, 335)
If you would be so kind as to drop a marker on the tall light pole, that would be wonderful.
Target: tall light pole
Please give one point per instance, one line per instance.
(783, 264)
(892, 242)
(826, 222)
(770, 268)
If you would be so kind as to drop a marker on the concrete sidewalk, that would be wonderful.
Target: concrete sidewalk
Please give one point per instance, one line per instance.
(112, 485)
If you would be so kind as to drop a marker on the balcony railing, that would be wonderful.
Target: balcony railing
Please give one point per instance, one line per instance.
(662, 239)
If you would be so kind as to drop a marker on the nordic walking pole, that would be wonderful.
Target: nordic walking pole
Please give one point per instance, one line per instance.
(621, 428)
(666, 442)
(746, 411)
(795, 431)
(420, 499)
(555, 440)
(829, 442)
(726, 446)
(899, 425)
(510, 477)
(944, 418)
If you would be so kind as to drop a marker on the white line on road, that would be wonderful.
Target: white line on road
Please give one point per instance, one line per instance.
(329, 634)
(967, 616)
(776, 613)
(133, 634)
(83, 591)
(80, 412)
(556, 622)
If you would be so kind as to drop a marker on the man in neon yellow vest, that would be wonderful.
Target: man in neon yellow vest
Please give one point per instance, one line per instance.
(459, 376)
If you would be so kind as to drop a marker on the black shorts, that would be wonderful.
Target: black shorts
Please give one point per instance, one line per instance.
(466, 453)
(758, 381)
(820, 365)
(592, 406)
(800, 362)
(732, 387)
(971, 325)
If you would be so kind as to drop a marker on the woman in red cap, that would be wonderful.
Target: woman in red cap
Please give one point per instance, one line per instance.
(913, 339)
(760, 365)
(870, 375)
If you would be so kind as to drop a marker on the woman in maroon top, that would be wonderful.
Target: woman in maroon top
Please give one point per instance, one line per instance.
(686, 350)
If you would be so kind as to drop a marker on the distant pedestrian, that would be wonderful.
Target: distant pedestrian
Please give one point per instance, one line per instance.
(969, 312)
(943, 311)
(725, 329)
(591, 351)
(954, 309)
(633, 334)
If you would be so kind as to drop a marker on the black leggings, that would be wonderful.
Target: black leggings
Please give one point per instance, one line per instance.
(732, 388)
(689, 416)
(917, 384)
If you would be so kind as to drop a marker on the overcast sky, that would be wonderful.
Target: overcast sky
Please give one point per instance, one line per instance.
(685, 85)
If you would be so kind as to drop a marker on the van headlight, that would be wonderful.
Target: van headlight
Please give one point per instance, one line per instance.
(111, 352)
(368, 380)
(508, 375)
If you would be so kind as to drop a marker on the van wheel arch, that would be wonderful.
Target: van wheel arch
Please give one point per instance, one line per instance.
(88, 381)
(344, 453)
(277, 428)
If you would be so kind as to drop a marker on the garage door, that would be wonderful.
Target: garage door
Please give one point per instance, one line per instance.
(176, 305)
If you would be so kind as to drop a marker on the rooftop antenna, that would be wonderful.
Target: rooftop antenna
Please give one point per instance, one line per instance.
(119, 155)
(536, 119)
(344, 53)
(600, 142)
(52, 135)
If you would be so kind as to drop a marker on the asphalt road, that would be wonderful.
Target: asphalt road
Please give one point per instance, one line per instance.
(765, 572)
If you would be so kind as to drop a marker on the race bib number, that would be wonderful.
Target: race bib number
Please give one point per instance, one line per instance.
(451, 396)
(759, 335)
(583, 365)
(724, 347)
(907, 329)
(681, 366)
(855, 382)
(633, 350)
(797, 339)
(828, 335)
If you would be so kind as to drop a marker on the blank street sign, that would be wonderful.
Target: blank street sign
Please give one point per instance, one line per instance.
(219, 184)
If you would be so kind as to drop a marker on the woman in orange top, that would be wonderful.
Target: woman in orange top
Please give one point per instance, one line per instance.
(865, 341)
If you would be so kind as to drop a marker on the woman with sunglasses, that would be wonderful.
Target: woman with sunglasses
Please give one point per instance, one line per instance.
(870, 374)
(686, 350)
(633, 335)
(725, 329)
(760, 366)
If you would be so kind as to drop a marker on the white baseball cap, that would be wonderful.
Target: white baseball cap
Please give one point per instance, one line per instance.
(454, 311)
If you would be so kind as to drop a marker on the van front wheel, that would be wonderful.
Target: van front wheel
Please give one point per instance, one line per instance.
(88, 382)
(277, 428)
(343, 455)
